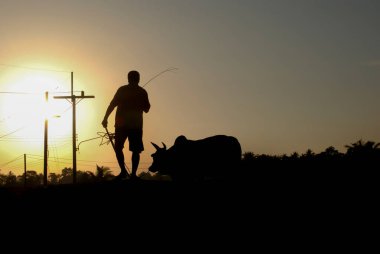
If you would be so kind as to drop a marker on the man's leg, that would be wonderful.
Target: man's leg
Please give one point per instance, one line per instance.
(120, 138)
(120, 160)
(135, 162)
(136, 146)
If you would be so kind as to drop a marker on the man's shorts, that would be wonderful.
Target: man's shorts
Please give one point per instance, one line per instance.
(133, 135)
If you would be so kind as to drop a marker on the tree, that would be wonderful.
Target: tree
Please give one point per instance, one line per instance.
(32, 178)
(331, 152)
(360, 148)
(2, 179)
(10, 179)
(363, 153)
(248, 156)
(66, 176)
(103, 173)
(85, 176)
(54, 178)
(308, 155)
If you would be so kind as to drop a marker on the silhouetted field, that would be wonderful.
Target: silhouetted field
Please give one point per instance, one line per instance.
(330, 192)
(268, 191)
(266, 207)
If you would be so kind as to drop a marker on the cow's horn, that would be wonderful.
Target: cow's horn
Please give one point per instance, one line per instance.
(164, 145)
(155, 146)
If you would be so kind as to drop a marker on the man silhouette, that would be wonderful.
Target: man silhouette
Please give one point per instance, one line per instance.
(131, 101)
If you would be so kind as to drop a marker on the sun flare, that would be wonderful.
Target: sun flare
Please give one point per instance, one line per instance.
(28, 101)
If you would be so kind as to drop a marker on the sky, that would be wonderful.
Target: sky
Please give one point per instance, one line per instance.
(281, 76)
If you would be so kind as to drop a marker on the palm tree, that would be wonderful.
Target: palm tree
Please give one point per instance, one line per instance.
(103, 173)
(363, 154)
(360, 148)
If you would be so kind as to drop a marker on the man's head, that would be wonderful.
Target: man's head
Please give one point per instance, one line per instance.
(133, 77)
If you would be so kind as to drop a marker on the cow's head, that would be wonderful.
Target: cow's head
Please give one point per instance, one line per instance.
(159, 159)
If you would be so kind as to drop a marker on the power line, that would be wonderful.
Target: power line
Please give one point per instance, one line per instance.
(30, 93)
(31, 68)
(71, 159)
(15, 159)
(10, 133)
(35, 155)
(23, 93)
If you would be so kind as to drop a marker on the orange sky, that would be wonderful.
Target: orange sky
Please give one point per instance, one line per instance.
(281, 76)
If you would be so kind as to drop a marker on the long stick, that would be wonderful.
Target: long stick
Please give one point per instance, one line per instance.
(162, 72)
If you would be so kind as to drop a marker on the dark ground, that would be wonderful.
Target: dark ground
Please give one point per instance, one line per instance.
(288, 204)
(273, 192)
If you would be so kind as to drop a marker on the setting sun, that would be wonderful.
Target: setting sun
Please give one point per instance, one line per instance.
(24, 106)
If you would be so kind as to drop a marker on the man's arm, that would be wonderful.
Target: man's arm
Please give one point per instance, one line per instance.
(110, 108)
(108, 113)
(146, 104)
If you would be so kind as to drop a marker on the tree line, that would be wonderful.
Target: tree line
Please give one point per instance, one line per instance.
(360, 155)
(32, 178)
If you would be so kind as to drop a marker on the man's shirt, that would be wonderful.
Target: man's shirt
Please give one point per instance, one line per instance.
(131, 101)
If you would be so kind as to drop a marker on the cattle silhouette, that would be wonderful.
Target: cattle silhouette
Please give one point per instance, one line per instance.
(210, 158)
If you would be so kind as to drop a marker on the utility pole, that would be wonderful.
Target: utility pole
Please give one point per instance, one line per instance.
(24, 170)
(46, 143)
(73, 101)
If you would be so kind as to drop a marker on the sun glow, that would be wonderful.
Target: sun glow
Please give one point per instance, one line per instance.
(25, 106)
